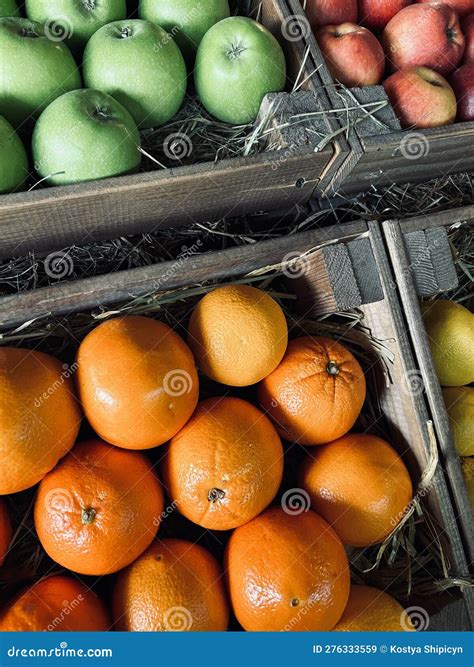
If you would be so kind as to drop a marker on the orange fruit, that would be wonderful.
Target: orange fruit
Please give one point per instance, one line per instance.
(99, 509)
(39, 416)
(137, 381)
(175, 585)
(360, 486)
(225, 466)
(5, 531)
(238, 335)
(316, 393)
(56, 603)
(371, 610)
(287, 572)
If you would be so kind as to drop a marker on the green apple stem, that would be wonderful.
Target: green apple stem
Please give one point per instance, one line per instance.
(235, 51)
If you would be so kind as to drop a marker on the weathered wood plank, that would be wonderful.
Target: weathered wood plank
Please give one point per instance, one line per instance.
(420, 263)
(88, 293)
(53, 218)
(324, 281)
(365, 270)
(441, 219)
(442, 258)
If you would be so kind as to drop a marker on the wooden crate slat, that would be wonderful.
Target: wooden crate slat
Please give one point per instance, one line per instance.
(420, 263)
(324, 282)
(365, 270)
(457, 216)
(442, 258)
(69, 297)
(58, 217)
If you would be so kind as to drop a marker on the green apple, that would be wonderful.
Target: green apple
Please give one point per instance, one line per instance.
(238, 62)
(84, 135)
(9, 8)
(34, 70)
(75, 20)
(13, 160)
(139, 64)
(186, 20)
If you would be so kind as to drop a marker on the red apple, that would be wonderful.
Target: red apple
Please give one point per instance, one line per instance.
(462, 82)
(462, 7)
(330, 12)
(353, 54)
(375, 14)
(467, 26)
(427, 35)
(421, 98)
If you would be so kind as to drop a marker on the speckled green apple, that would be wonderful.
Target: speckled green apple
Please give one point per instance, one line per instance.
(13, 159)
(34, 70)
(238, 62)
(75, 20)
(85, 135)
(9, 8)
(140, 65)
(186, 20)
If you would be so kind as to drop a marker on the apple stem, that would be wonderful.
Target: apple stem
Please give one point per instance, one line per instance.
(89, 4)
(29, 32)
(235, 51)
(452, 33)
(125, 32)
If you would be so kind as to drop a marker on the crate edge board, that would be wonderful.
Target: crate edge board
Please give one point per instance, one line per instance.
(417, 332)
(447, 218)
(383, 163)
(108, 209)
(90, 292)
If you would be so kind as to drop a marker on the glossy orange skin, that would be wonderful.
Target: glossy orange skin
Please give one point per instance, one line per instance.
(99, 509)
(238, 335)
(39, 416)
(226, 464)
(287, 572)
(174, 586)
(5, 531)
(137, 381)
(307, 404)
(360, 486)
(371, 610)
(55, 604)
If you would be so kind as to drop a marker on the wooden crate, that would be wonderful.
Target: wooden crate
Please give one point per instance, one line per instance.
(55, 217)
(381, 153)
(329, 271)
(423, 266)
